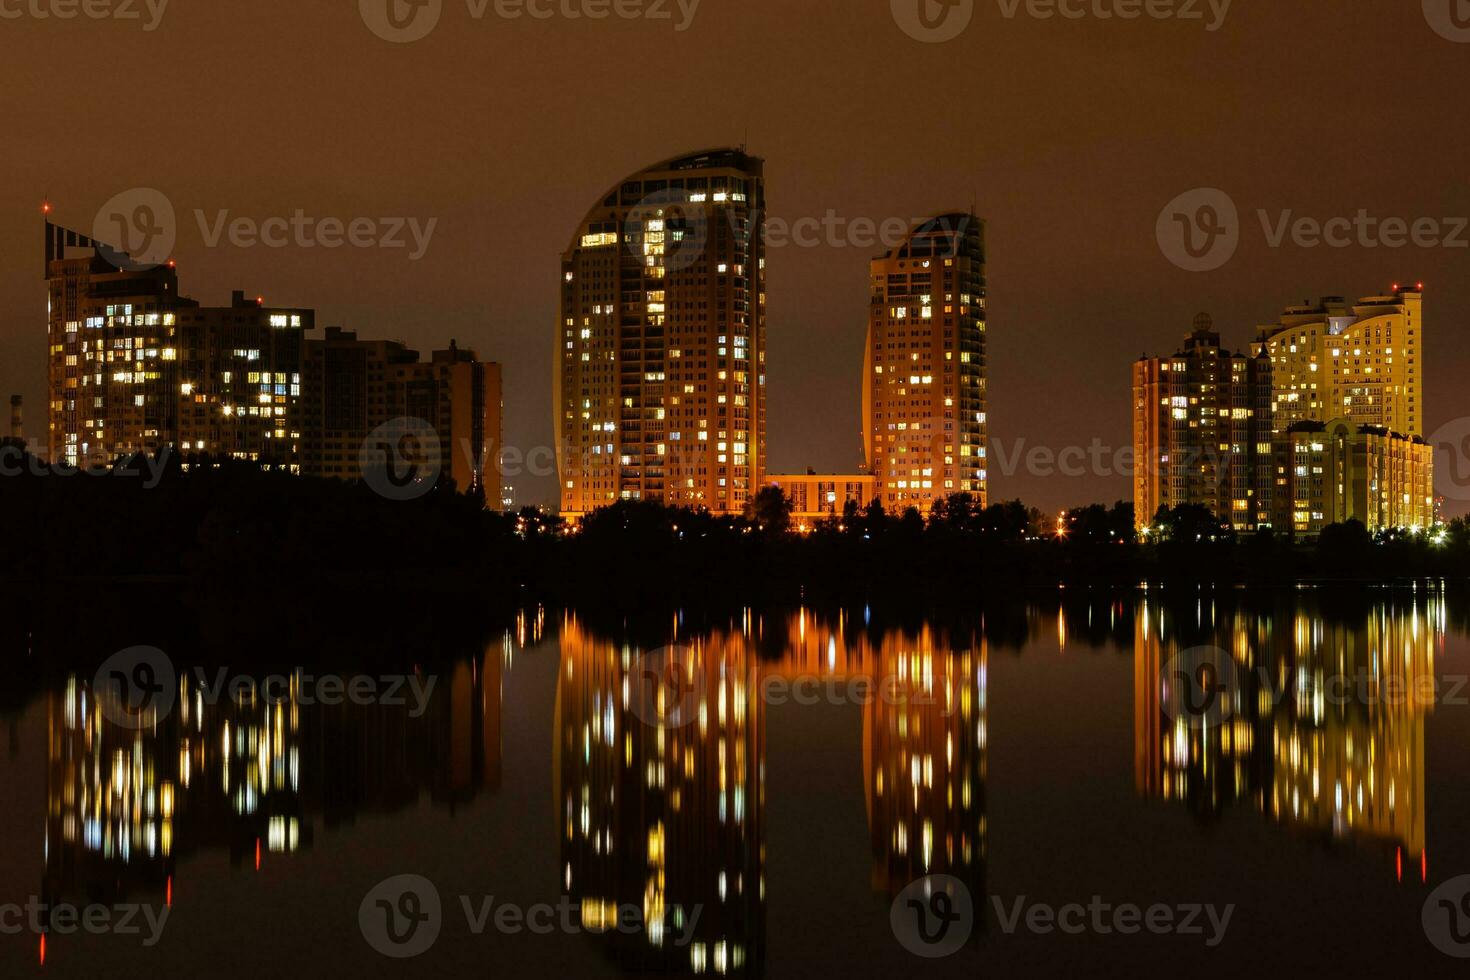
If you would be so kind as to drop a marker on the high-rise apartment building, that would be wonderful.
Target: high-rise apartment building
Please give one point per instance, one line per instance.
(1202, 432)
(1349, 413)
(135, 367)
(355, 388)
(1361, 362)
(924, 376)
(240, 381)
(659, 369)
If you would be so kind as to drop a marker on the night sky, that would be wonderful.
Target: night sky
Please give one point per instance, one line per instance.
(1068, 136)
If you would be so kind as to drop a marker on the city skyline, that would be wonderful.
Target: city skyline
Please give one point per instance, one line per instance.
(1070, 193)
(644, 369)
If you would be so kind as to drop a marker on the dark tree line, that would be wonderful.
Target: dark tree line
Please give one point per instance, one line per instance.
(235, 528)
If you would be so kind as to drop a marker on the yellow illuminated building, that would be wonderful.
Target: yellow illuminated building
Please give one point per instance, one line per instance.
(1340, 471)
(925, 420)
(659, 368)
(1362, 362)
(1349, 413)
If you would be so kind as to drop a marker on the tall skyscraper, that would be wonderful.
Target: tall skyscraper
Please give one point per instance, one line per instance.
(924, 377)
(659, 370)
(1202, 432)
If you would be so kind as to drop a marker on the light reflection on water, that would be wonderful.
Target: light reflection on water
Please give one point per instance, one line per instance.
(671, 820)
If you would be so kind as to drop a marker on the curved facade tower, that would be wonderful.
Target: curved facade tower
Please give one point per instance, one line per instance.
(924, 377)
(659, 368)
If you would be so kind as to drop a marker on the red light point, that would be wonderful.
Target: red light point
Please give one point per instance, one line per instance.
(43, 949)
(169, 894)
(257, 854)
(46, 207)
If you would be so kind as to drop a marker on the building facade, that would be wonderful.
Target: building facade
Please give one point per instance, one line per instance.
(1349, 413)
(1335, 472)
(356, 388)
(924, 373)
(659, 369)
(1362, 362)
(239, 371)
(135, 367)
(818, 496)
(1202, 432)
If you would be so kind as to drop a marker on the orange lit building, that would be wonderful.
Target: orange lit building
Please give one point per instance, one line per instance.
(924, 375)
(659, 370)
(1202, 432)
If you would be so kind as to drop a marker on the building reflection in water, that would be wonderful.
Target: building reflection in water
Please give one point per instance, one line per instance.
(1326, 732)
(664, 819)
(924, 741)
(126, 808)
(670, 820)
